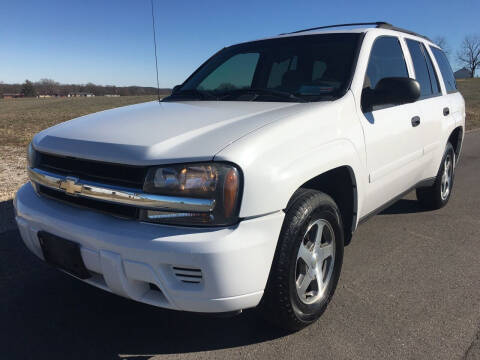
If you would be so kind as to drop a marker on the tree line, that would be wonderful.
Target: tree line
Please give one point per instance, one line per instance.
(53, 88)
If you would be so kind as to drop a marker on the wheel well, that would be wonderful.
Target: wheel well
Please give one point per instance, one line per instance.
(340, 184)
(456, 140)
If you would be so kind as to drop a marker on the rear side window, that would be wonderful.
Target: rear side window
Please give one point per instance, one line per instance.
(386, 60)
(432, 72)
(424, 73)
(445, 69)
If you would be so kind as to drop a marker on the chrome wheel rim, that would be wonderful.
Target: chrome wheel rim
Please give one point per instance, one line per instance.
(446, 182)
(315, 261)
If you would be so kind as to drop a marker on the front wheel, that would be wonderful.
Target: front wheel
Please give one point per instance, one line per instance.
(307, 262)
(437, 196)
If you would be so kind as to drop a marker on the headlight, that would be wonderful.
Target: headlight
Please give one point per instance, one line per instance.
(218, 182)
(31, 156)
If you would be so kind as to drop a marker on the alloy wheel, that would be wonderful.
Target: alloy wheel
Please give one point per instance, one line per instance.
(446, 181)
(315, 261)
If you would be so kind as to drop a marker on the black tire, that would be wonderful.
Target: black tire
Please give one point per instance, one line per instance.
(432, 197)
(281, 303)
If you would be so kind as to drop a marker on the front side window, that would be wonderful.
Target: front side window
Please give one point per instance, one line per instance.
(296, 68)
(445, 69)
(424, 73)
(386, 60)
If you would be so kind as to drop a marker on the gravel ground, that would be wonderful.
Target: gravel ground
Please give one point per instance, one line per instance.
(12, 176)
(12, 170)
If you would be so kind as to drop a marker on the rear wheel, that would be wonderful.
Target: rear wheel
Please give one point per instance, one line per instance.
(437, 196)
(307, 262)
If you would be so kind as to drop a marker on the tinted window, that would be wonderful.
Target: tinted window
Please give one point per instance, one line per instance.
(386, 60)
(279, 68)
(423, 74)
(313, 67)
(235, 73)
(431, 71)
(445, 69)
(319, 68)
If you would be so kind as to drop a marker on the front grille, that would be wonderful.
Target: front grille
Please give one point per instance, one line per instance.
(123, 211)
(108, 173)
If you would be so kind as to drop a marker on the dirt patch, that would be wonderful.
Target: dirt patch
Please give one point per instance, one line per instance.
(470, 89)
(20, 119)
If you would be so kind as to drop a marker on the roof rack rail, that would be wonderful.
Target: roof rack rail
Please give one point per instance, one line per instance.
(378, 24)
(391, 27)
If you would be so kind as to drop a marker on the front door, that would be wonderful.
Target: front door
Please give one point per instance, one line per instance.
(394, 144)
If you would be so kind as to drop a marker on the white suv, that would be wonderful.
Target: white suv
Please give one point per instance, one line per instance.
(242, 187)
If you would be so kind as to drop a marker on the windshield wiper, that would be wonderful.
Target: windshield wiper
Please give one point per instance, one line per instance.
(192, 94)
(260, 91)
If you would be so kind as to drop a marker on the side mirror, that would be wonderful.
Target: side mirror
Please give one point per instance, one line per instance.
(391, 91)
(176, 88)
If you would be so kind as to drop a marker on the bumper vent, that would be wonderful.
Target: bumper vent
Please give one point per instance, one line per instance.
(188, 275)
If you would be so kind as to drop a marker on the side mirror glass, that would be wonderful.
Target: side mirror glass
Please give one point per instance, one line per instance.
(391, 91)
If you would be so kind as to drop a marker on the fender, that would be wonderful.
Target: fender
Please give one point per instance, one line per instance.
(273, 172)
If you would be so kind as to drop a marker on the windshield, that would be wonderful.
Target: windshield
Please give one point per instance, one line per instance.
(297, 68)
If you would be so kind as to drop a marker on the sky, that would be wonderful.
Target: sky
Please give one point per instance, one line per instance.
(111, 43)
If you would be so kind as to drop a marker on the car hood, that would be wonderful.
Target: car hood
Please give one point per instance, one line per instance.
(156, 133)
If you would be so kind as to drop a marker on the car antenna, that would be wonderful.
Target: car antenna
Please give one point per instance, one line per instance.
(155, 47)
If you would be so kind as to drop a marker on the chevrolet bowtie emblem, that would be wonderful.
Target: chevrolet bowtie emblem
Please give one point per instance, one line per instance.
(70, 185)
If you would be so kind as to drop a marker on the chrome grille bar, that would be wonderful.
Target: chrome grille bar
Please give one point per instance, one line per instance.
(124, 196)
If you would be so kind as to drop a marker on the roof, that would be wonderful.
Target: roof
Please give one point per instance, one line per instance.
(462, 73)
(464, 69)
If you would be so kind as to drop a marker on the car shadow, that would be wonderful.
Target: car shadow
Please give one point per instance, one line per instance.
(403, 206)
(46, 314)
(7, 219)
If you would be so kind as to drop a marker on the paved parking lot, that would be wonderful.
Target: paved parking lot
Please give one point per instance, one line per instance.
(410, 288)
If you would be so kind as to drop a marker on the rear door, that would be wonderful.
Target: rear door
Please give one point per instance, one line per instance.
(448, 80)
(432, 105)
(454, 100)
(394, 147)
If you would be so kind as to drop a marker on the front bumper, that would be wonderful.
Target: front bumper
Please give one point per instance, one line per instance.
(182, 268)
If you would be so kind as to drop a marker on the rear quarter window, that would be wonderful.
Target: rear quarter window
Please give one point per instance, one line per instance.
(445, 69)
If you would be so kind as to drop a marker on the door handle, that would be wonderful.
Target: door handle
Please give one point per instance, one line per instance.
(446, 111)
(415, 121)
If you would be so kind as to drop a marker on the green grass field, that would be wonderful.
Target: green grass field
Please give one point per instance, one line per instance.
(20, 119)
